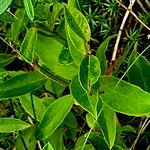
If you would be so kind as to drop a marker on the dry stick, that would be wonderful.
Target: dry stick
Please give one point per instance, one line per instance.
(148, 3)
(121, 28)
(142, 129)
(141, 5)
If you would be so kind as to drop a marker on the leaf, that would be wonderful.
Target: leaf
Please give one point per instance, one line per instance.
(48, 50)
(125, 98)
(4, 5)
(38, 105)
(11, 124)
(7, 17)
(27, 46)
(76, 45)
(80, 95)
(139, 73)
(53, 117)
(77, 22)
(101, 54)
(107, 122)
(29, 9)
(6, 59)
(21, 84)
(19, 24)
(48, 146)
(89, 71)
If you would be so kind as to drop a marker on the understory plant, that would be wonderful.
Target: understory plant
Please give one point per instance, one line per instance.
(59, 87)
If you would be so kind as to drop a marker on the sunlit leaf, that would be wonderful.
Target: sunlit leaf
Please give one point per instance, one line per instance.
(4, 5)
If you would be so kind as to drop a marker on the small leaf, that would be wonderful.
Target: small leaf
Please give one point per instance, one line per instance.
(48, 146)
(38, 105)
(107, 122)
(6, 59)
(21, 84)
(125, 98)
(27, 46)
(80, 95)
(4, 5)
(101, 54)
(29, 9)
(11, 124)
(139, 73)
(89, 71)
(77, 22)
(53, 117)
(19, 24)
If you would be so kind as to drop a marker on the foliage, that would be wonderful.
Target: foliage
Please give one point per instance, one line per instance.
(59, 88)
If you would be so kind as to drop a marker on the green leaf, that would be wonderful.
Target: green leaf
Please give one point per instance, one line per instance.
(7, 17)
(48, 50)
(53, 117)
(38, 105)
(125, 97)
(101, 54)
(89, 71)
(6, 59)
(21, 84)
(11, 124)
(19, 24)
(107, 122)
(48, 146)
(77, 22)
(139, 73)
(4, 5)
(80, 95)
(27, 46)
(76, 45)
(29, 9)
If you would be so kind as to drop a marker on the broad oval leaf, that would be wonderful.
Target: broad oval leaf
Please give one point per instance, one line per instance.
(21, 84)
(11, 124)
(89, 71)
(80, 94)
(139, 73)
(124, 97)
(38, 106)
(29, 9)
(27, 46)
(53, 117)
(77, 22)
(5, 59)
(101, 54)
(4, 5)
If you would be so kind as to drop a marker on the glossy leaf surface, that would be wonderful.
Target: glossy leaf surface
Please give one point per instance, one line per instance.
(53, 117)
(4, 5)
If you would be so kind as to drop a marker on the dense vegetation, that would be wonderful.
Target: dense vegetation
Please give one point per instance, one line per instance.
(74, 74)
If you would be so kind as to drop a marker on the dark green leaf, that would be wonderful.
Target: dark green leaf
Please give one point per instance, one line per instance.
(12, 124)
(7, 17)
(27, 46)
(125, 97)
(5, 59)
(4, 5)
(53, 117)
(21, 84)
(29, 9)
(139, 73)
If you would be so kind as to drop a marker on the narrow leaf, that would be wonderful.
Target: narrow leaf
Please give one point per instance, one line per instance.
(4, 5)
(53, 117)
(101, 54)
(77, 22)
(21, 84)
(125, 98)
(48, 146)
(5, 59)
(12, 124)
(7, 17)
(27, 46)
(139, 73)
(29, 9)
